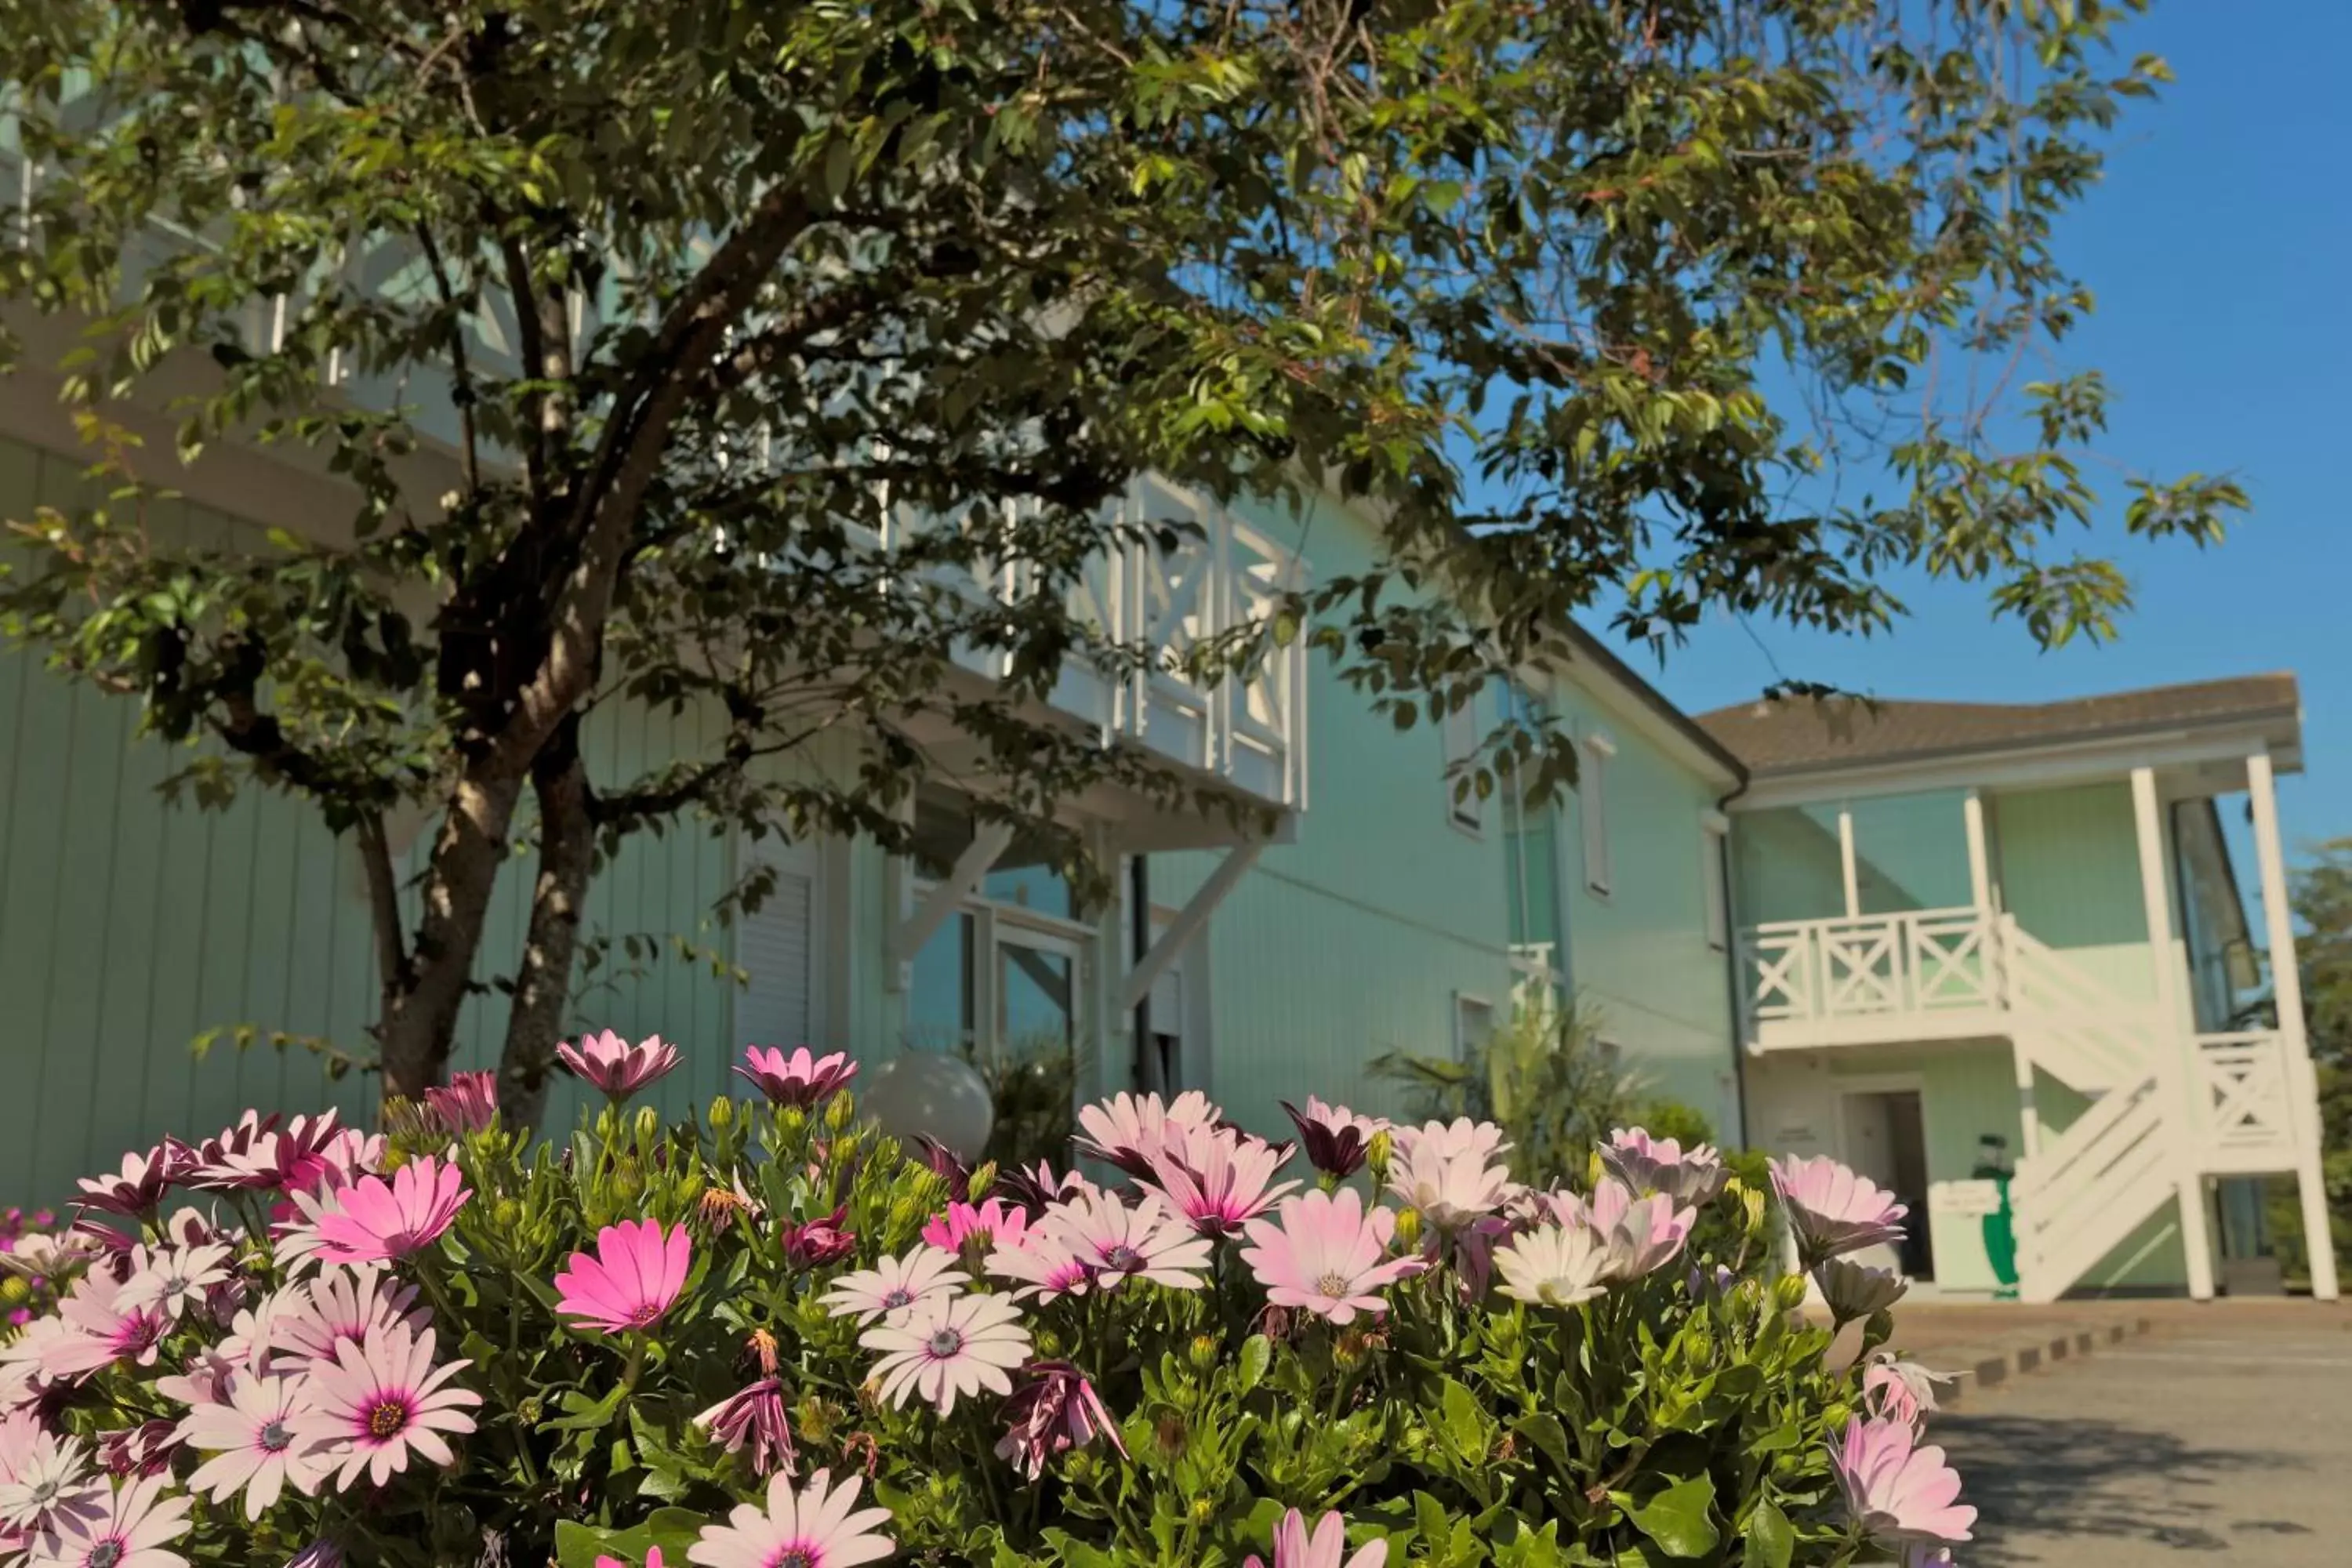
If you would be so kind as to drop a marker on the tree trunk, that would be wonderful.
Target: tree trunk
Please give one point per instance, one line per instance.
(420, 1016)
(567, 842)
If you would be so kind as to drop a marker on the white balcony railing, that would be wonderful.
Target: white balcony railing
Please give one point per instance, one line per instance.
(2245, 1093)
(1223, 579)
(1870, 967)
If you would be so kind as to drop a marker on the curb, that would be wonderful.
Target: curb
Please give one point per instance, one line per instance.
(2014, 1357)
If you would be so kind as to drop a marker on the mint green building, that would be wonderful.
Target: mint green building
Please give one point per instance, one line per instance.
(1925, 938)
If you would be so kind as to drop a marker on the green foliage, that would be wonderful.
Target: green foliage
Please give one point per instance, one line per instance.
(1542, 1076)
(1034, 1084)
(689, 356)
(2322, 895)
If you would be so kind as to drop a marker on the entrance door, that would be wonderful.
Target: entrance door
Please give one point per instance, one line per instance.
(1885, 1139)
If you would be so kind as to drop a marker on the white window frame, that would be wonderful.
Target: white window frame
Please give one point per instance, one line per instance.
(1715, 877)
(1463, 1002)
(1459, 733)
(991, 915)
(1592, 812)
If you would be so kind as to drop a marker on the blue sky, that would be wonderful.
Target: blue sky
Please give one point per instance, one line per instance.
(2217, 249)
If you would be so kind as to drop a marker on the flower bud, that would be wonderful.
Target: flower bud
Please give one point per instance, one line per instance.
(13, 1289)
(1376, 1156)
(506, 1215)
(840, 1111)
(648, 1124)
(905, 1214)
(1203, 1352)
(792, 1120)
(1169, 1433)
(1205, 1510)
(1751, 1204)
(722, 1114)
(1789, 1293)
(1408, 1229)
(1348, 1353)
(981, 1180)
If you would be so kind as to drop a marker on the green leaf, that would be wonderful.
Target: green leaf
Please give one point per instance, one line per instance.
(1771, 1541)
(1257, 1353)
(1679, 1519)
(1465, 1428)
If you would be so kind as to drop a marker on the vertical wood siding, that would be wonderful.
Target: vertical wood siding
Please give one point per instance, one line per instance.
(129, 927)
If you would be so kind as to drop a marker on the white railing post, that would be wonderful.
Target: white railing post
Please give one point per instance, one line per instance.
(2286, 989)
(2173, 1063)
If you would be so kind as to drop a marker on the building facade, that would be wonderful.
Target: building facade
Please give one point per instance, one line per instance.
(1937, 941)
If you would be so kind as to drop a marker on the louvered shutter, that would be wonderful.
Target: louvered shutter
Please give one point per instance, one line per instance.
(777, 948)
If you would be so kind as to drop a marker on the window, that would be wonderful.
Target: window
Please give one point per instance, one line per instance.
(1460, 730)
(776, 948)
(1711, 862)
(1474, 1024)
(1592, 797)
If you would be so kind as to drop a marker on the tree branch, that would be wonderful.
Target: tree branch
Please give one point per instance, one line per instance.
(383, 900)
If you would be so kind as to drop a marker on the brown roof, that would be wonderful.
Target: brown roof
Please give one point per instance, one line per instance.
(1809, 734)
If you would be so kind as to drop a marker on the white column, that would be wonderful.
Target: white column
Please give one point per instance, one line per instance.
(1979, 861)
(1845, 863)
(2286, 988)
(2173, 1050)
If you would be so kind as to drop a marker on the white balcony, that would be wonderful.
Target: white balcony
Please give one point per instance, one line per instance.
(2246, 1096)
(1871, 979)
(1222, 580)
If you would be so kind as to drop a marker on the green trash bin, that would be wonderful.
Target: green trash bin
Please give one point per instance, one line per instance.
(2001, 1225)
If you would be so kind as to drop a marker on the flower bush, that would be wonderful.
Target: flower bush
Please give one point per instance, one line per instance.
(775, 1339)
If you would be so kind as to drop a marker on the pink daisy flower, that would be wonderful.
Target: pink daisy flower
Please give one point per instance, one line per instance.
(653, 1560)
(1117, 1243)
(252, 1443)
(1690, 1176)
(819, 1528)
(1897, 1493)
(613, 1065)
(295, 1241)
(44, 1478)
(145, 1449)
(1033, 1189)
(377, 1403)
(467, 1103)
(1640, 1236)
(203, 1378)
(1896, 1389)
(1337, 1139)
(129, 1528)
(1327, 1255)
(1832, 1210)
(340, 1306)
(1458, 1139)
(1854, 1290)
(1217, 1179)
(945, 1348)
(256, 1156)
(801, 1079)
(1449, 1174)
(1130, 1131)
(1294, 1548)
(996, 1221)
(99, 1330)
(1047, 1267)
(634, 1278)
(372, 1221)
(754, 1417)
(822, 1240)
(895, 1284)
(135, 1189)
(1055, 1411)
(168, 1281)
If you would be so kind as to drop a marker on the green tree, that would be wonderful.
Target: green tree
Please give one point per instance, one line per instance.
(623, 323)
(2322, 899)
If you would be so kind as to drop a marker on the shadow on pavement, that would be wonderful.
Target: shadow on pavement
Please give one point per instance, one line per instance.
(2092, 1477)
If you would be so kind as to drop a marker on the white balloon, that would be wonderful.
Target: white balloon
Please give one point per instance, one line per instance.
(939, 1096)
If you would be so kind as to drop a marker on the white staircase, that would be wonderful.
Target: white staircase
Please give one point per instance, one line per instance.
(2166, 1107)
